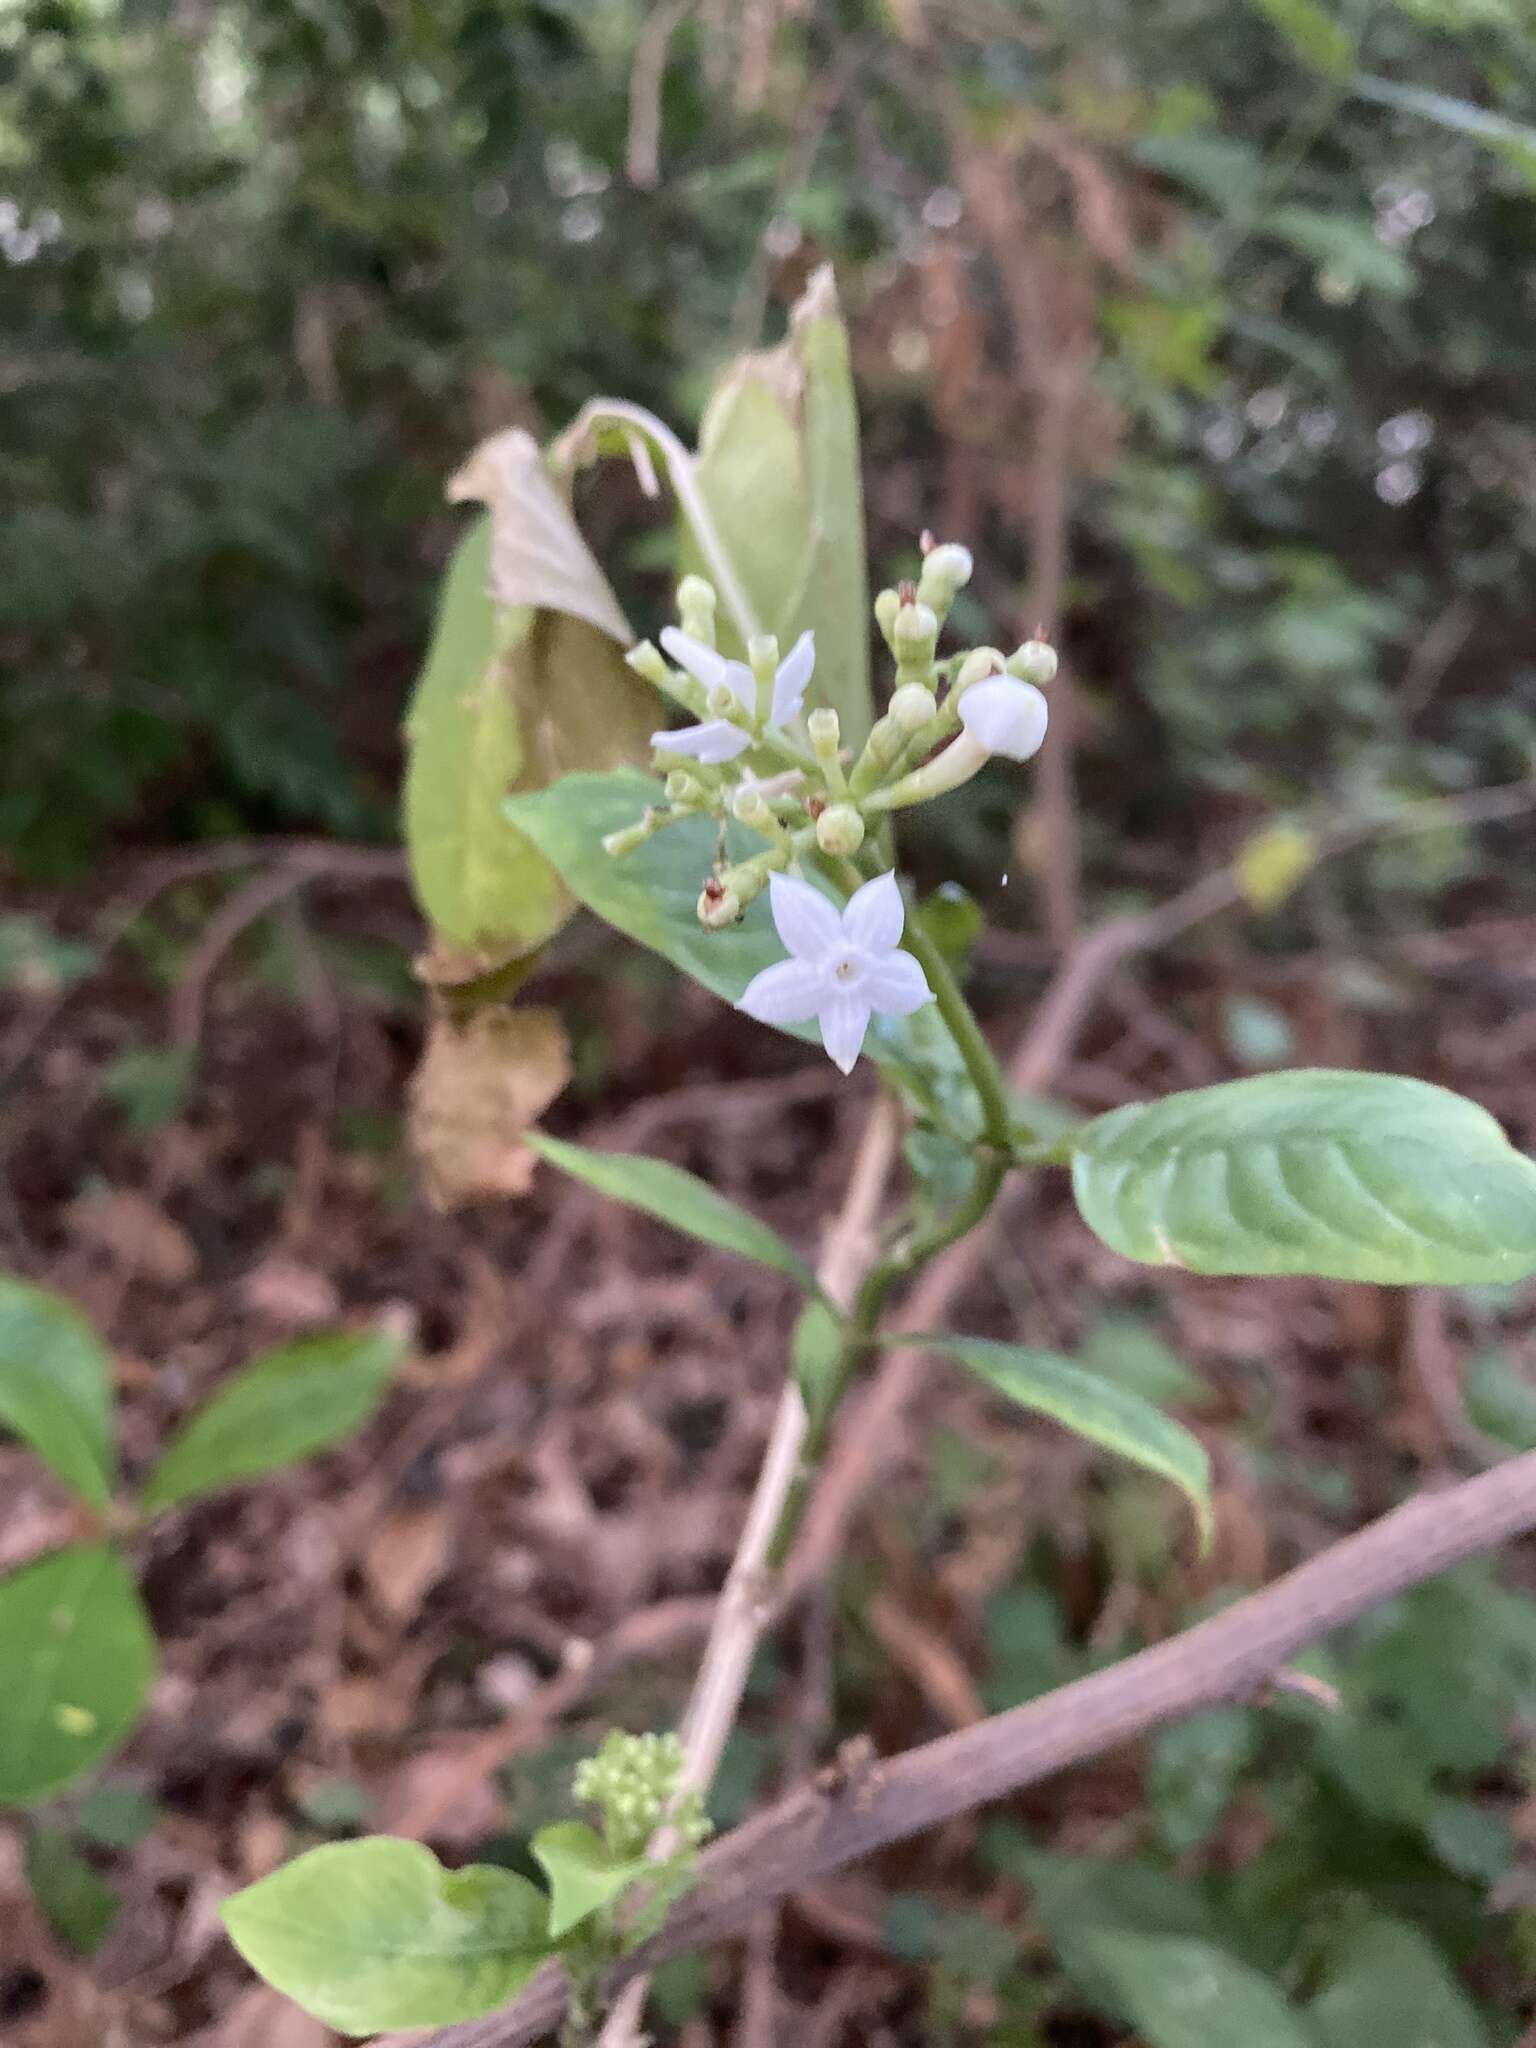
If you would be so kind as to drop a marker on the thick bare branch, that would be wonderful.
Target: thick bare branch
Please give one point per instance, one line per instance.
(851, 1811)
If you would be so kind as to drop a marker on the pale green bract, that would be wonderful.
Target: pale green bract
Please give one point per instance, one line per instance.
(377, 1934)
(1343, 1175)
(1108, 1415)
(583, 1875)
(56, 1387)
(79, 1662)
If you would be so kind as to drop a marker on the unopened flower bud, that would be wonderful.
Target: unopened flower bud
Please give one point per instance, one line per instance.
(1035, 662)
(718, 907)
(825, 730)
(887, 605)
(629, 838)
(647, 660)
(749, 806)
(840, 830)
(763, 655)
(696, 603)
(912, 706)
(683, 788)
(915, 633)
(980, 663)
(946, 570)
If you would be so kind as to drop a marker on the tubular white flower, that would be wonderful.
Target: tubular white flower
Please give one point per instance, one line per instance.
(843, 966)
(722, 739)
(1005, 716)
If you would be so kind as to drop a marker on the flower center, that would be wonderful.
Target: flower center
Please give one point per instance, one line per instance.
(848, 968)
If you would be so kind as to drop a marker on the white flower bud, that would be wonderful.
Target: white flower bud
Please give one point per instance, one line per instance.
(763, 655)
(646, 660)
(749, 806)
(887, 605)
(840, 830)
(945, 570)
(1035, 662)
(825, 730)
(912, 706)
(696, 603)
(915, 633)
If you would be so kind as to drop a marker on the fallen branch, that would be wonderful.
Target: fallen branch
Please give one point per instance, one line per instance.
(855, 1808)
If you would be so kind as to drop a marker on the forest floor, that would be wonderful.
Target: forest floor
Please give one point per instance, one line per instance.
(422, 1630)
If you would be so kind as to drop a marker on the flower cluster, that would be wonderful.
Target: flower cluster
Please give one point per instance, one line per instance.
(634, 1781)
(754, 753)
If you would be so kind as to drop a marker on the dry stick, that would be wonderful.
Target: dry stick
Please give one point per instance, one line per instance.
(746, 1601)
(847, 1814)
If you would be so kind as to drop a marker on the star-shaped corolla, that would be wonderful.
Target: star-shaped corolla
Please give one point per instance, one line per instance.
(722, 739)
(844, 966)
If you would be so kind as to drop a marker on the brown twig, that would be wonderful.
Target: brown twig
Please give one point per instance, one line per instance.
(831, 1823)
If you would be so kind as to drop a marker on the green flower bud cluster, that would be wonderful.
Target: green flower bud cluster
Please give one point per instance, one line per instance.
(633, 1782)
(757, 756)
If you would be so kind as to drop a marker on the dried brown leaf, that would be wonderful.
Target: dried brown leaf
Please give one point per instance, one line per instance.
(481, 1083)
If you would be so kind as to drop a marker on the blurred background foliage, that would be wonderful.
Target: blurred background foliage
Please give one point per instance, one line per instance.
(1245, 288)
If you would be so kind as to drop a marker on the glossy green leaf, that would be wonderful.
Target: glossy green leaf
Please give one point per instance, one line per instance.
(79, 1659)
(652, 895)
(583, 1876)
(1384, 1982)
(1350, 1176)
(673, 1196)
(376, 1934)
(76, 1899)
(56, 1387)
(1107, 1415)
(285, 1405)
(778, 469)
(525, 680)
(1180, 1993)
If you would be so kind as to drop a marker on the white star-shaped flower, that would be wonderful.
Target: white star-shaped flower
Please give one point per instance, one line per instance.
(722, 739)
(843, 965)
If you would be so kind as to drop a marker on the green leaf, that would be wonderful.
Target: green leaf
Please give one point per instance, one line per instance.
(673, 1196)
(778, 468)
(1501, 1399)
(56, 1387)
(377, 1934)
(150, 1083)
(1461, 117)
(1340, 243)
(1110, 1416)
(1321, 43)
(117, 1816)
(583, 1876)
(1348, 1176)
(76, 1899)
(1386, 1983)
(1124, 1349)
(283, 1406)
(525, 680)
(1188, 1994)
(652, 894)
(79, 1662)
(1193, 1772)
(815, 1352)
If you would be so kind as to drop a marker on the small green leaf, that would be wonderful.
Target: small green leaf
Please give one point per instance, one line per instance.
(376, 1934)
(583, 1876)
(1193, 1773)
(816, 1350)
(79, 1904)
(673, 1196)
(284, 1406)
(1352, 248)
(150, 1083)
(1090, 1407)
(1384, 1982)
(1461, 117)
(1347, 1176)
(56, 1387)
(117, 1816)
(79, 1661)
(1321, 43)
(1124, 1349)
(1190, 1994)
